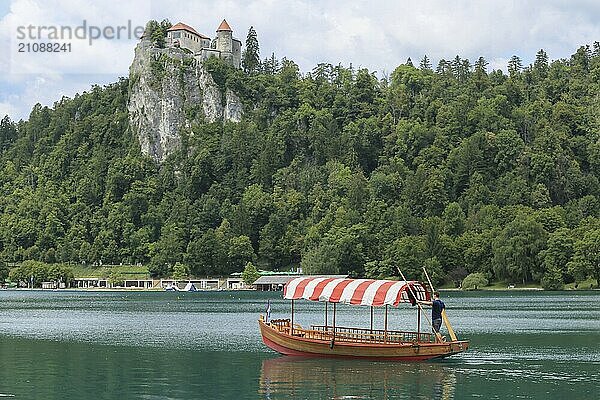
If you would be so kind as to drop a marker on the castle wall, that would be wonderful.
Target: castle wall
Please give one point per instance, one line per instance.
(186, 39)
(206, 43)
(237, 53)
(206, 53)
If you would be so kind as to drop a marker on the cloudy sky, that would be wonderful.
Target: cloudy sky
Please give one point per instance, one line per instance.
(376, 34)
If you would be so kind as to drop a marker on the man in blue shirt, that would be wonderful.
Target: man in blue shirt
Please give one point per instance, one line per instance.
(436, 311)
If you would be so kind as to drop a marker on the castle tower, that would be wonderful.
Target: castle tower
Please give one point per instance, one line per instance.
(224, 39)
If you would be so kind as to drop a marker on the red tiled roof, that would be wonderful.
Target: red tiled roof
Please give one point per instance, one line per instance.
(224, 27)
(181, 26)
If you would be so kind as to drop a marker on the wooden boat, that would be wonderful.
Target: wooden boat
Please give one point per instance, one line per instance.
(289, 338)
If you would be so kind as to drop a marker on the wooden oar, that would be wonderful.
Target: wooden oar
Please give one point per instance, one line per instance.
(444, 316)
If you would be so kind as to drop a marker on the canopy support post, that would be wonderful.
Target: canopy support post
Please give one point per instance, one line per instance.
(326, 315)
(418, 324)
(385, 324)
(334, 321)
(371, 319)
(292, 321)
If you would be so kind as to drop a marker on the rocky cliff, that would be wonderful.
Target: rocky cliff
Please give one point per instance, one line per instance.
(170, 90)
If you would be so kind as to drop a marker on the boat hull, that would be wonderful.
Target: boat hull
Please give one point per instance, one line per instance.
(286, 344)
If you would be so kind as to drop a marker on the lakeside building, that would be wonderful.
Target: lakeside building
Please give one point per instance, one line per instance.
(268, 281)
(230, 283)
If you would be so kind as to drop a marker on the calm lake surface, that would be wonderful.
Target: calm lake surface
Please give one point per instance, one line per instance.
(206, 345)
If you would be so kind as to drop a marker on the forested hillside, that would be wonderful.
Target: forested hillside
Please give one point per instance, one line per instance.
(452, 167)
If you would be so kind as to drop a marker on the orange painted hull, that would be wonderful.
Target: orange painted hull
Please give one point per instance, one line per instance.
(298, 346)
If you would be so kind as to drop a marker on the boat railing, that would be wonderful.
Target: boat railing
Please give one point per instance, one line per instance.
(366, 335)
(281, 324)
(354, 335)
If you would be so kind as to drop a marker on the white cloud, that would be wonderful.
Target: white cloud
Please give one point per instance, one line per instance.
(376, 34)
(7, 109)
(83, 18)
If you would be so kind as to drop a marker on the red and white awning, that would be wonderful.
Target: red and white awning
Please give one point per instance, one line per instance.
(364, 292)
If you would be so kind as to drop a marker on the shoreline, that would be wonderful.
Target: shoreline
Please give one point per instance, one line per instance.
(527, 289)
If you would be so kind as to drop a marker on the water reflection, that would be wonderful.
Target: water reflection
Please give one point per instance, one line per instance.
(286, 377)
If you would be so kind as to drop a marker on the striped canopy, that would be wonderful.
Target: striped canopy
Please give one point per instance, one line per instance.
(364, 292)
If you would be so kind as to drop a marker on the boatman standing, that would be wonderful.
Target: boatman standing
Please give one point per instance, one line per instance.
(436, 311)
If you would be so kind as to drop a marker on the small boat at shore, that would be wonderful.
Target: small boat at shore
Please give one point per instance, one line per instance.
(331, 340)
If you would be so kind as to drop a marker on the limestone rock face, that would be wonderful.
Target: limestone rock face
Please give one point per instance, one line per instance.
(170, 90)
(233, 107)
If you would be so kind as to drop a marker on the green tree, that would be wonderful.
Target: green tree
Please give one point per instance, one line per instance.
(540, 65)
(474, 281)
(157, 32)
(340, 251)
(251, 54)
(434, 270)
(514, 66)
(586, 260)
(168, 250)
(250, 274)
(454, 219)
(516, 250)
(240, 253)
(557, 255)
(181, 272)
(408, 254)
(8, 133)
(425, 64)
(552, 279)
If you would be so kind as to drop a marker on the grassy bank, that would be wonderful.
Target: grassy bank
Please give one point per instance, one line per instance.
(125, 271)
(583, 285)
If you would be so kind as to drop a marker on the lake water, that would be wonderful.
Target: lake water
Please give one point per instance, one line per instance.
(206, 345)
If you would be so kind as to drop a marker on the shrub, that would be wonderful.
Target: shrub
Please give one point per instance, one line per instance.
(474, 281)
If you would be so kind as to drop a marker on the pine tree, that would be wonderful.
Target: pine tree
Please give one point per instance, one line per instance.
(580, 61)
(465, 70)
(481, 66)
(540, 65)
(425, 64)
(443, 67)
(270, 65)
(596, 52)
(514, 66)
(456, 66)
(480, 73)
(250, 58)
(409, 62)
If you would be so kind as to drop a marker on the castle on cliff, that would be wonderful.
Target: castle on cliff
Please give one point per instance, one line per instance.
(224, 46)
